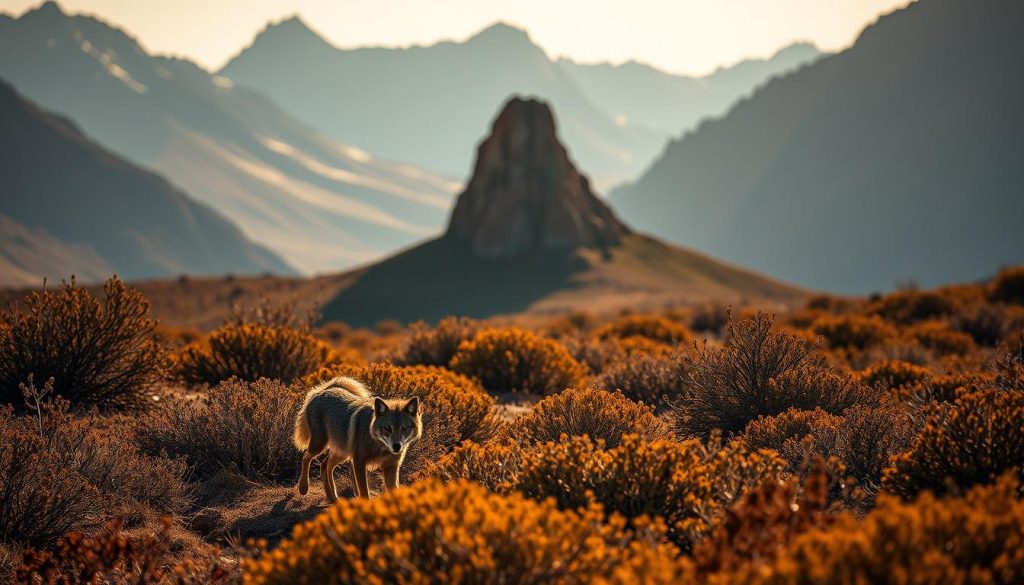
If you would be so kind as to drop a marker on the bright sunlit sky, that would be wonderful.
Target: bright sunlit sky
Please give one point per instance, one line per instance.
(681, 36)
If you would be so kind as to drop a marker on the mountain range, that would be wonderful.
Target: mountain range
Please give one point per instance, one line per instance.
(322, 204)
(529, 235)
(425, 104)
(70, 206)
(897, 159)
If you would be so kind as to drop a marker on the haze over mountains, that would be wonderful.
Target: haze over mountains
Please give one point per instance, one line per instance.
(898, 159)
(70, 206)
(320, 203)
(429, 104)
(529, 235)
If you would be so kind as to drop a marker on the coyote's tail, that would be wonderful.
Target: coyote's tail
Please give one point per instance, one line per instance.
(348, 385)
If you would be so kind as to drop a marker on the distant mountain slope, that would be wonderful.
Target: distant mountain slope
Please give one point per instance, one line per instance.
(528, 235)
(643, 95)
(322, 204)
(900, 158)
(71, 207)
(429, 104)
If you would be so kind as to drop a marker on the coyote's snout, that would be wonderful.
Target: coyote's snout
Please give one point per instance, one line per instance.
(340, 416)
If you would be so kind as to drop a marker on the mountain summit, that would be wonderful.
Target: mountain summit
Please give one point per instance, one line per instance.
(528, 235)
(525, 193)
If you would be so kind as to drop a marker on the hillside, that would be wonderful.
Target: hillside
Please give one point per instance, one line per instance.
(319, 202)
(898, 159)
(528, 235)
(70, 206)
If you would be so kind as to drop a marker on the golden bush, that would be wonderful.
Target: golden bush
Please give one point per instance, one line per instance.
(251, 351)
(650, 327)
(972, 441)
(938, 337)
(760, 372)
(97, 351)
(415, 535)
(58, 473)
(895, 374)
(946, 387)
(245, 427)
(436, 346)
(905, 307)
(975, 539)
(853, 331)
(686, 484)
(599, 414)
(654, 378)
(514, 360)
(1008, 286)
(796, 435)
(494, 465)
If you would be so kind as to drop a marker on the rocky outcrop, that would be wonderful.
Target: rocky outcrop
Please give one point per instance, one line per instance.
(525, 193)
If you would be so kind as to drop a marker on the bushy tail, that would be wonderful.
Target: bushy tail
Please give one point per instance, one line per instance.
(301, 433)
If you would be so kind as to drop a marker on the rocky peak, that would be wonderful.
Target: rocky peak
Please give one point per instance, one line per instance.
(525, 193)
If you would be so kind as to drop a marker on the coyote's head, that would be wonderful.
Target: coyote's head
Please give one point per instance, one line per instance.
(396, 423)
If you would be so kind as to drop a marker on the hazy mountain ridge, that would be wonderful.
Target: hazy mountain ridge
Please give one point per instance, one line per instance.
(896, 159)
(321, 203)
(72, 207)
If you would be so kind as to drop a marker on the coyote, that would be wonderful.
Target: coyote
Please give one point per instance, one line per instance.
(343, 418)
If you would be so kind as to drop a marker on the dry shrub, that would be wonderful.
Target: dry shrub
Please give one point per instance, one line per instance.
(58, 473)
(455, 408)
(97, 351)
(989, 324)
(1008, 286)
(764, 521)
(245, 427)
(436, 346)
(1010, 365)
(686, 484)
(945, 387)
(601, 415)
(113, 557)
(907, 307)
(514, 360)
(895, 374)
(414, 535)
(972, 441)
(869, 437)
(796, 435)
(938, 337)
(853, 331)
(648, 326)
(709, 319)
(495, 465)
(976, 539)
(760, 372)
(651, 378)
(250, 351)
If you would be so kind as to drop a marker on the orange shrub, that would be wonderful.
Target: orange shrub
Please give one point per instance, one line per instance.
(250, 351)
(658, 380)
(495, 465)
(976, 539)
(415, 535)
(939, 338)
(514, 360)
(894, 374)
(436, 346)
(796, 435)
(99, 352)
(686, 484)
(989, 324)
(946, 387)
(853, 331)
(1008, 286)
(601, 415)
(911, 306)
(648, 326)
(972, 441)
(760, 372)
(869, 436)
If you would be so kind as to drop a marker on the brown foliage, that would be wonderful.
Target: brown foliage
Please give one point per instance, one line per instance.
(436, 346)
(648, 326)
(652, 378)
(907, 307)
(760, 372)
(1008, 286)
(853, 331)
(601, 415)
(97, 351)
(514, 360)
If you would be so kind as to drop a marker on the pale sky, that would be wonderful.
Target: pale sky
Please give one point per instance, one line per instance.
(681, 36)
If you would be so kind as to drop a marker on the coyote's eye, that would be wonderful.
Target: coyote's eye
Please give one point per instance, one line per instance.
(385, 428)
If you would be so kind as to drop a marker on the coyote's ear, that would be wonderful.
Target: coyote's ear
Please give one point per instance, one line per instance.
(379, 406)
(413, 406)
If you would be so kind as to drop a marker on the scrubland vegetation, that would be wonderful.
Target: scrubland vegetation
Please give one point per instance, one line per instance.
(852, 440)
